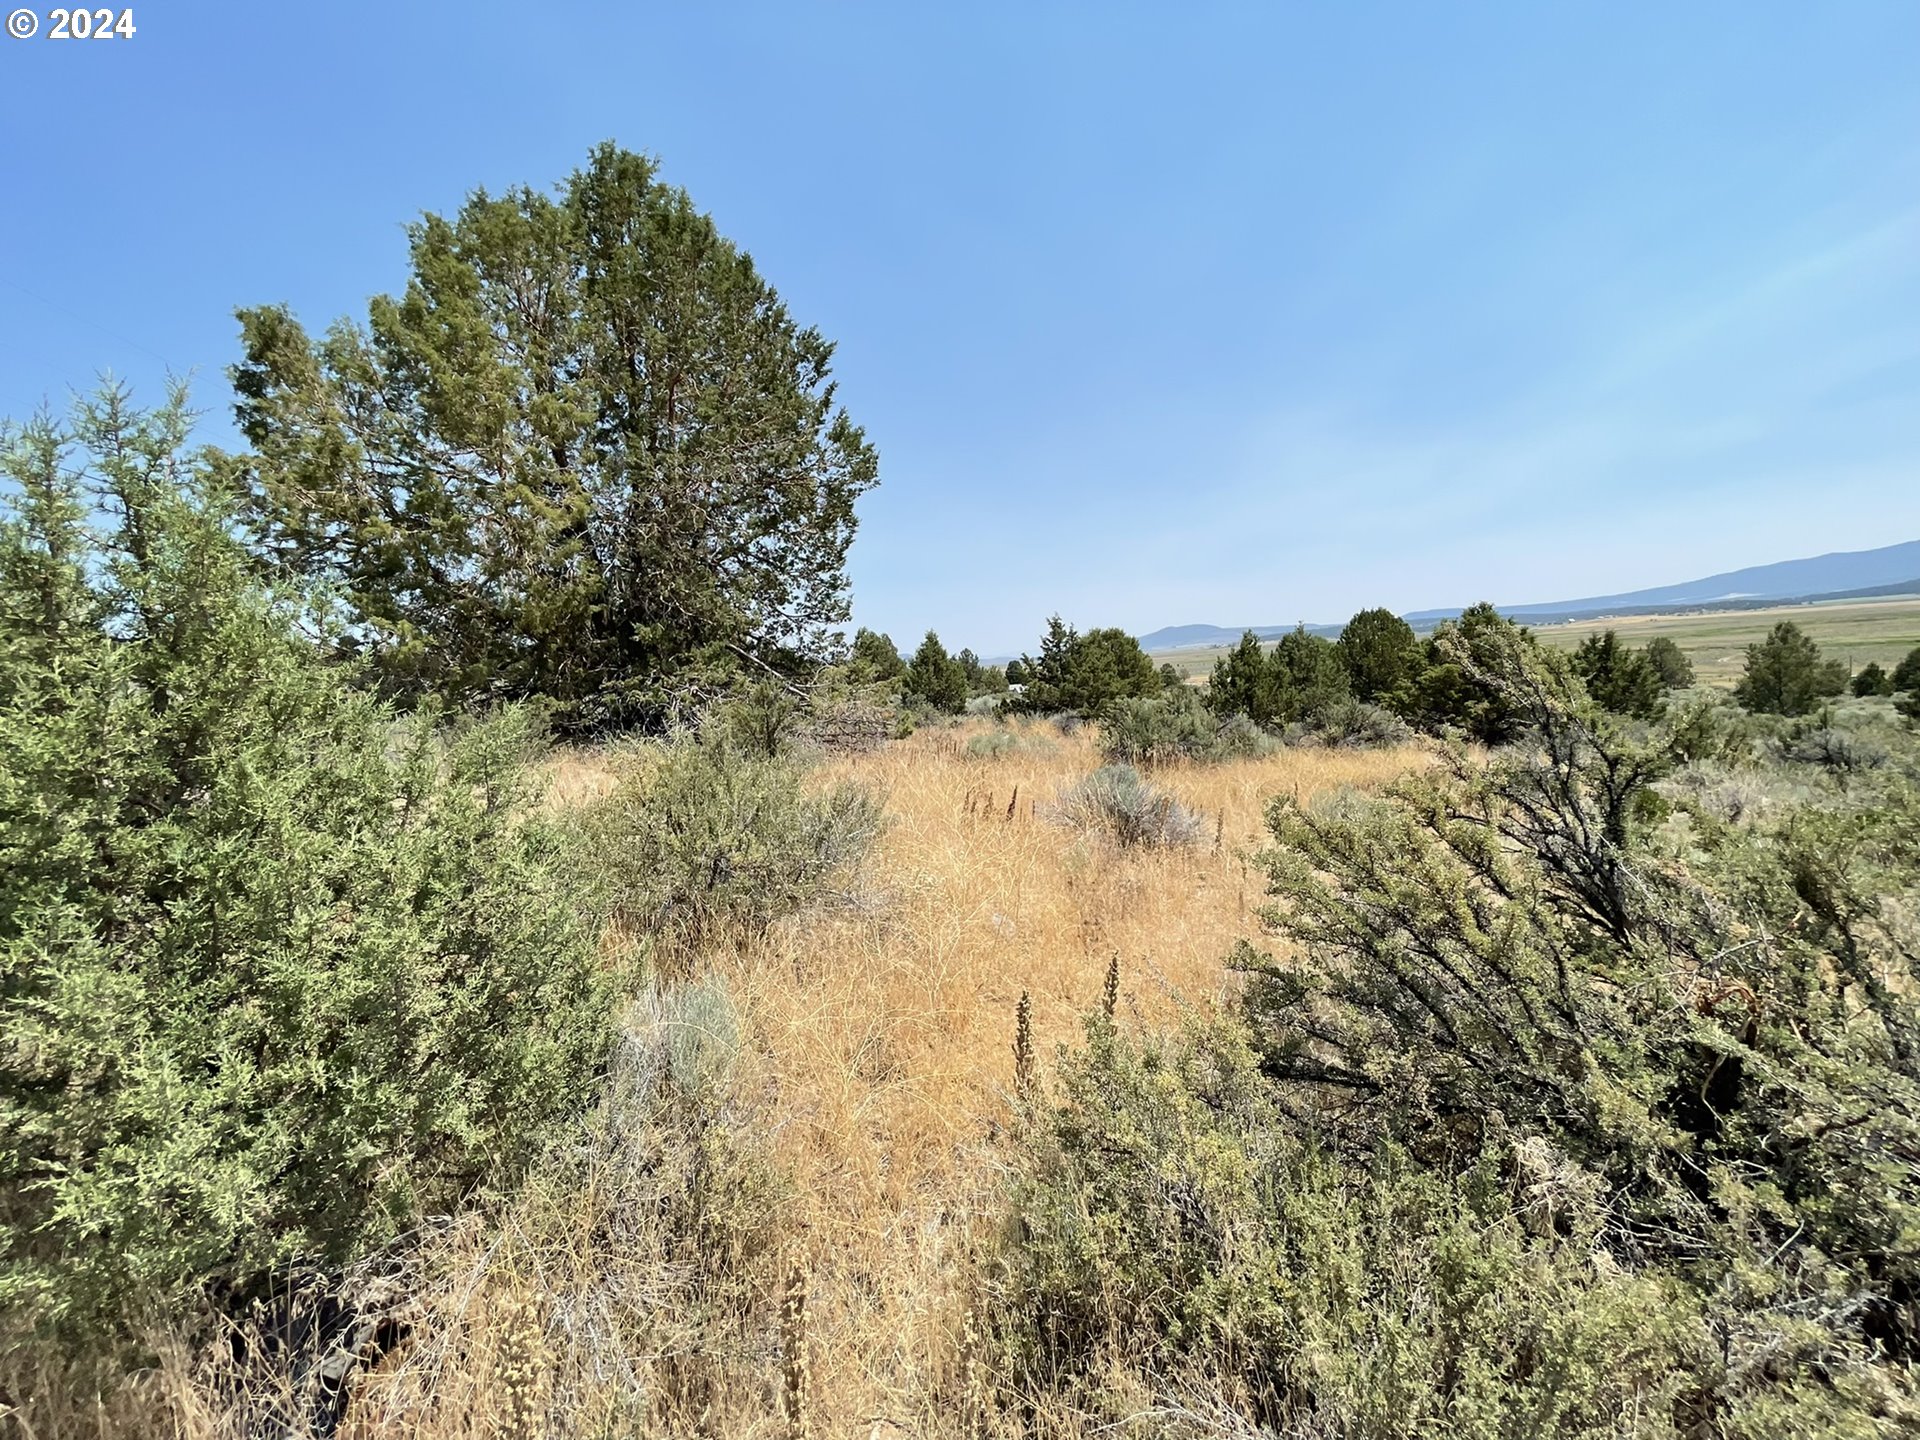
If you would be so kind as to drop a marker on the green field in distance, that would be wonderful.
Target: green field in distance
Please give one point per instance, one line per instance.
(1716, 641)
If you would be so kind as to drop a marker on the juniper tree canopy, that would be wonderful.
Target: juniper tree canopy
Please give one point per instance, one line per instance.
(937, 677)
(1085, 673)
(1670, 663)
(1786, 676)
(1618, 677)
(1381, 655)
(585, 451)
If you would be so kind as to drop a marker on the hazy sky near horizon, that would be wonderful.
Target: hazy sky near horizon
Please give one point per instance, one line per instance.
(1157, 314)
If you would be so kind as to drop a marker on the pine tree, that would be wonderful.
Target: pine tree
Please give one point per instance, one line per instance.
(1618, 677)
(587, 450)
(935, 677)
(1669, 663)
(1786, 676)
(1244, 683)
(1381, 655)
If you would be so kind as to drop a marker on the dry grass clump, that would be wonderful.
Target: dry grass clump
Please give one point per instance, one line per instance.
(624, 1289)
(1003, 742)
(1115, 801)
(885, 1034)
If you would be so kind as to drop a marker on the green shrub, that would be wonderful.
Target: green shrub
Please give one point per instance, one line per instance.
(1838, 751)
(704, 840)
(1177, 725)
(1721, 1037)
(1115, 801)
(837, 714)
(1568, 1109)
(1150, 732)
(1238, 738)
(1906, 675)
(1172, 1221)
(1352, 724)
(1710, 729)
(280, 976)
(1003, 740)
(1873, 679)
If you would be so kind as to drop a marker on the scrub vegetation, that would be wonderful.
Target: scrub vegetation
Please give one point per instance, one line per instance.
(490, 956)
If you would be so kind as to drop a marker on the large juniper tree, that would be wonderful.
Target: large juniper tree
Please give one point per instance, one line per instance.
(936, 677)
(1381, 655)
(1308, 673)
(875, 657)
(1786, 676)
(1669, 663)
(585, 450)
(1618, 677)
(1086, 673)
(1244, 684)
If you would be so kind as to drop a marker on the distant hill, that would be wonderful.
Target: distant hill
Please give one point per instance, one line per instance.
(1182, 637)
(1847, 570)
(1178, 637)
(1844, 574)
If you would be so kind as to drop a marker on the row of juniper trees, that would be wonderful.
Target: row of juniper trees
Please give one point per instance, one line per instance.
(1376, 660)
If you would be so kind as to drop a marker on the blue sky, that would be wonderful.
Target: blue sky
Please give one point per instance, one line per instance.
(1157, 314)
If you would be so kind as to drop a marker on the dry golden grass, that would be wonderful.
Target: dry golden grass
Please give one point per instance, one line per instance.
(883, 1030)
(873, 1073)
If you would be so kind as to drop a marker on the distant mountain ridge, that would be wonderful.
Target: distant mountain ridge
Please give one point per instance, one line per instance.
(1180, 637)
(1889, 570)
(1174, 637)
